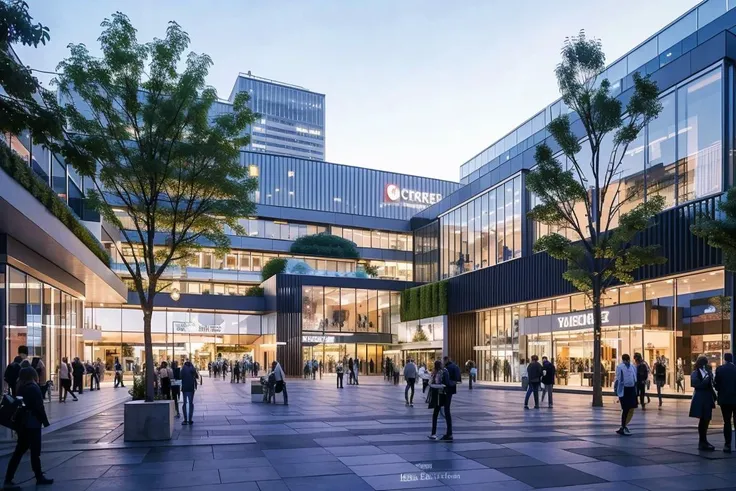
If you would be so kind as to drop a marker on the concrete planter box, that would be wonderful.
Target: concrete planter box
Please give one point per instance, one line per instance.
(148, 421)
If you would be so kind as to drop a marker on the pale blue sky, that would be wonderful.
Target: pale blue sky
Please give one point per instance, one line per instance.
(412, 86)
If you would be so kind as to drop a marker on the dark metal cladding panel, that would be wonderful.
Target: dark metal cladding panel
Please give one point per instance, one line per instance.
(461, 336)
(289, 323)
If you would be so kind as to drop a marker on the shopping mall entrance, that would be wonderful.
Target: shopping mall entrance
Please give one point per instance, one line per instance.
(328, 354)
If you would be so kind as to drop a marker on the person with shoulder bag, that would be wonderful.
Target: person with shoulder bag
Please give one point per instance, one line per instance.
(29, 429)
(703, 401)
(438, 384)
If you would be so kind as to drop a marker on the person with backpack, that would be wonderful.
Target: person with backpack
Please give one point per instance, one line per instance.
(11, 374)
(660, 376)
(642, 377)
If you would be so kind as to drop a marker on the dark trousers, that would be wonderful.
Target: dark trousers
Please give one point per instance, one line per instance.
(237, 377)
(339, 380)
(729, 414)
(447, 400)
(175, 391)
(66, 388)
(703, 430)
(166, 388)
(409, 386)
(119, 379)
(28, 438)
(641, 390)
(425, 384)
(95, 382)
(77, 384)
(532, 389)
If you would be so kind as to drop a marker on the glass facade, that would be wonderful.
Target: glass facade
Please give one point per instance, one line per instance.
(427, 253)
(659, 50)
(292, 119)
(177, 335)
(680, 318)
(679, 155)
(322, 186)
(332, 309)
(45, 319)
(375, 239)
(484, 231)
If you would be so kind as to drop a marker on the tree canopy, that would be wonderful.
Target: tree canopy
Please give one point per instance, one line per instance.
(325, 245)
(26, 106)
(593, 219)
(142, 130)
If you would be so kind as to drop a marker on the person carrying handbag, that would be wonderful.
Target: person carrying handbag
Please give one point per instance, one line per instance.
(438, 382)
(29, 429)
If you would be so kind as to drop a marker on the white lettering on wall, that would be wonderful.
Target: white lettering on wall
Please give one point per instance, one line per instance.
(395, 194)
(581, 320)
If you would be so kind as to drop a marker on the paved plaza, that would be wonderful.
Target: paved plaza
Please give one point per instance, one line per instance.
(365, 438)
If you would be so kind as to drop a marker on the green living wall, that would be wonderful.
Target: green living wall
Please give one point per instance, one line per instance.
(424, 301)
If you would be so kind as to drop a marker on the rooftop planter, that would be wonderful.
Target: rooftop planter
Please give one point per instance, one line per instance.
(19, 170)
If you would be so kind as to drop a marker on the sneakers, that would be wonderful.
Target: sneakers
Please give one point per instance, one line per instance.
(411, 404)
(621, 432)
(184, 423)
(406, 403)
(526, 407)
(626, 431)
(446, 438)
(727, 448)
(432, 437)
(43, 480)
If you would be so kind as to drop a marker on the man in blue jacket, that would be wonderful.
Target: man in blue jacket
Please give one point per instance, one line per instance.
(189, 377)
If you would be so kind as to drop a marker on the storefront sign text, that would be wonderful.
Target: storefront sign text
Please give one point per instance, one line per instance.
(396, 194)
(318, 339)
(581, 320)
(191, 327)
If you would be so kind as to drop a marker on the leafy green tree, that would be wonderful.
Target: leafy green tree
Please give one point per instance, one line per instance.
(584, 205)
(142, 132)
(25, 105)
(273, 267)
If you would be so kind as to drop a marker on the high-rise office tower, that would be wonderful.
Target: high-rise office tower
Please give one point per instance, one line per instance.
(292, 120)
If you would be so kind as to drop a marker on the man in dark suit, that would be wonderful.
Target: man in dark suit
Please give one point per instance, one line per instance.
(725, 384)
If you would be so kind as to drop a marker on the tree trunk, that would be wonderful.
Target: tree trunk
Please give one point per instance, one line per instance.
(148, 344)
(597, 386)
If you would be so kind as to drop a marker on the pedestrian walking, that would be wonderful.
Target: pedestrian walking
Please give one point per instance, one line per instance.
(96, 375)
(189, 378)
(548, 379)
(725, 383)
(176, 385)
(280, 379)
(356, 370)
(424, 374)
(642, 378)
(340, 374)
(625, 387)
(29, 433)
(11, 374)
(660, 376)
(118, 374)
(165, 374)
(438, 385)
(236, 372)
(65, 380)
(410, 375)
(534, 373)
(351, 374)
(703, 401)
(78, 371)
